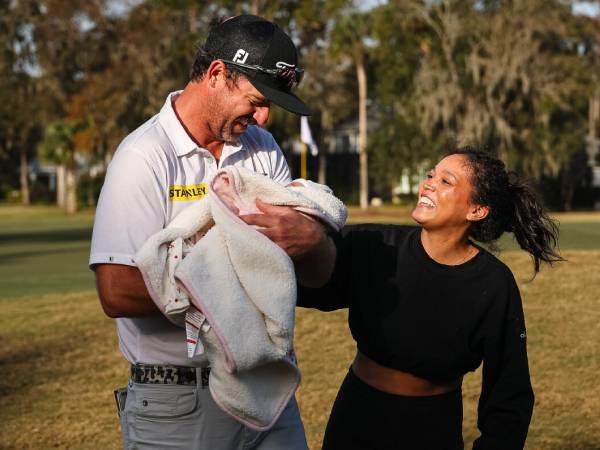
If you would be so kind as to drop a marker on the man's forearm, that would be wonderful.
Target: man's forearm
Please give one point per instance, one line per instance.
(122, 291)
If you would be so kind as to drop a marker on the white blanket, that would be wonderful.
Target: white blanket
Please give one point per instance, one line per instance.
(243, 284)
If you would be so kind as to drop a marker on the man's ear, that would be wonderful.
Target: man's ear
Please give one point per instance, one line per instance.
(477, 213)
(216, 70)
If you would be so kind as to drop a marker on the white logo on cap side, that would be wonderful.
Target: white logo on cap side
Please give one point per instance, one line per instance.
(283, 65)
(240, 56)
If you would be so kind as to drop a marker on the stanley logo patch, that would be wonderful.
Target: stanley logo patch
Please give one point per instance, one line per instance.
(185, 193)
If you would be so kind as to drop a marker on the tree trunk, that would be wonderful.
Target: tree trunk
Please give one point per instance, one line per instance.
(568, 190)
(593, 147)
(71, 189)
(361, 76)
(503, 154)
(192, 19)
(60, 186)
(322, 176)
(325, 126)
(24, 178)
(89, 190)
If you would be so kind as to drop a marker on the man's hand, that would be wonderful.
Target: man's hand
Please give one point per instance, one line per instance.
(296, 233)
(303, 238)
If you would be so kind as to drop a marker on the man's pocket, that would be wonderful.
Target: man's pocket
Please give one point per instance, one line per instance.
(164, 402)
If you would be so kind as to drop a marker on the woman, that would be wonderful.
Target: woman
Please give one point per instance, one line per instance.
(427, 305)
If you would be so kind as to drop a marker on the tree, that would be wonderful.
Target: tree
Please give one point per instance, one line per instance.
(350, 39)
(19, 91)
(58, 146)
(493, 74)
(399, 146)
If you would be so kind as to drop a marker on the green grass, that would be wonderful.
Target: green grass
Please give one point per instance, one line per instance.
(59, 358)
(43, 250)
(577, 230)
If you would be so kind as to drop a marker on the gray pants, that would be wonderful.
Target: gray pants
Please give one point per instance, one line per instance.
(165, 416)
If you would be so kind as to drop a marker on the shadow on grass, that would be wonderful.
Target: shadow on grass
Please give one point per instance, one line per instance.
(29, 360)
(9, 259)
(574, 443)
(69, 235)
(20, 365)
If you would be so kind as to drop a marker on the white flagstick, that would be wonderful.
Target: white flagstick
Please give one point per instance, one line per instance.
(306, 136)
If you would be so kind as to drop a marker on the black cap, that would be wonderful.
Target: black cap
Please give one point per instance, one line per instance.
(253, 41)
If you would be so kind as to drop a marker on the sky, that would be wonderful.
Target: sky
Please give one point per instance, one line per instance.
(586, 8)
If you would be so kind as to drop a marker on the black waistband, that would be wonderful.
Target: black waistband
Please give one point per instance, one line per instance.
(167, 374)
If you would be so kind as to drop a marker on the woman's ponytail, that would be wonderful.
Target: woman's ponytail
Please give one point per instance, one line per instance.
(535, 232)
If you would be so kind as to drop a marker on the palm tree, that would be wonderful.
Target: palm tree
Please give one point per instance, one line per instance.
(349, 39)
(58, 146)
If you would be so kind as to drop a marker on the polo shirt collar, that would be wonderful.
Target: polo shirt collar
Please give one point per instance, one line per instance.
(181, 141)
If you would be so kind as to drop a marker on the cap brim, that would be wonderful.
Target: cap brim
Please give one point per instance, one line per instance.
(287, 100)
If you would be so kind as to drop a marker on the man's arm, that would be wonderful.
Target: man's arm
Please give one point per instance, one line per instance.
(131, 208)
(122, 291)
(304, 239)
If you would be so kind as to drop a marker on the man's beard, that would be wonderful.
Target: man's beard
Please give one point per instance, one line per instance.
(229, 136)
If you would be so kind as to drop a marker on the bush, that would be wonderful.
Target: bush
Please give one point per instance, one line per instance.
(11, 196)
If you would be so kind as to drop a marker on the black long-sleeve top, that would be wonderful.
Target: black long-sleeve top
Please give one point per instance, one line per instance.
(410, 313)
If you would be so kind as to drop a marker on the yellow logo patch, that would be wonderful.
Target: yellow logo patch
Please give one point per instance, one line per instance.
(186, 193)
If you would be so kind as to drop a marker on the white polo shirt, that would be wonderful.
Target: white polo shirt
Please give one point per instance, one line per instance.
(155, 173)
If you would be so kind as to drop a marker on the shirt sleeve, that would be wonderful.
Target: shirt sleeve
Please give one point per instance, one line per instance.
(266, 156)
(332, 295)
(131, 208)
(281, 170)
(506, 401)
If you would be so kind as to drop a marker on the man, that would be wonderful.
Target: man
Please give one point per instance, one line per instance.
(245, 64)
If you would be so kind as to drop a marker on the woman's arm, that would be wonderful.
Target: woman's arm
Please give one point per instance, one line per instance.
(333, 293)
(314, 268)
(506, 401)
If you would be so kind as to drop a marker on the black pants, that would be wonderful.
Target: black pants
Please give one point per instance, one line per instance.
(364, 418)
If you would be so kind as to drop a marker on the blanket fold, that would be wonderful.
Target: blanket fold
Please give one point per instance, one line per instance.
(244, 284)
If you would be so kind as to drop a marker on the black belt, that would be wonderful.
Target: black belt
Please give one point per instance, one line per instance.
(166, 374)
